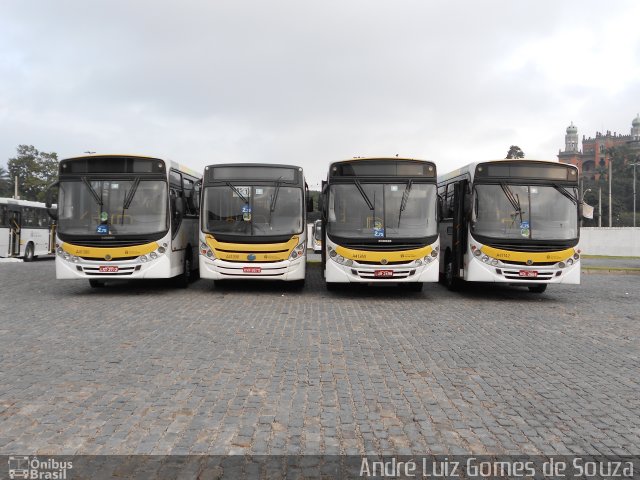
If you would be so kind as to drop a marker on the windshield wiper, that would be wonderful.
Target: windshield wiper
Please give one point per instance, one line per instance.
(237, 192)
(364, 194)
(129, 198)
(566, 193)
(514, 200)
(405, 199)
(272, 207)
(275, 196)
(94, 194)
(132, 192)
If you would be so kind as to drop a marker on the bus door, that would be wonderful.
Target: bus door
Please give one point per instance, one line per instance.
(15, 221)
(459, 241)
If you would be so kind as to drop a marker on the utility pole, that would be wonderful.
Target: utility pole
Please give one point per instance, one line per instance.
(634, 192)
(610, 205)
(15, 188)
(600, 206)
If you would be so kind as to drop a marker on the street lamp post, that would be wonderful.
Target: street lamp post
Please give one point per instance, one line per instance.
(634, 192)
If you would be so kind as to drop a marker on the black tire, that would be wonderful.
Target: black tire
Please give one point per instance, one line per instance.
(538, 288)
(297, 284)
(29, 253)
(450, 281)
(96, 283)
(219, 283)
(414, 286)
(183, 280)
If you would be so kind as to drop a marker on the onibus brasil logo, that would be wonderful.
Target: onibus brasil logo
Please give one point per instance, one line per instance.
(36, 469)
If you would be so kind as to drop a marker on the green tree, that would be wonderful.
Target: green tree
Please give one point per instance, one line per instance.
(515, 152)
(34, 169)
(5, 183)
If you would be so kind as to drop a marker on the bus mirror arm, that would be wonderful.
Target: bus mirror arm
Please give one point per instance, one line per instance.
(310, 204)
(195, 193)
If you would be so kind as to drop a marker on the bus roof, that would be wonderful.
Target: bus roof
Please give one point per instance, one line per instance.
(171, 163)
(22, 203)
(470, 169)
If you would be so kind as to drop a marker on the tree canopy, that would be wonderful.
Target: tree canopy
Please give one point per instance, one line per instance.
(34, 169)
(515, 152)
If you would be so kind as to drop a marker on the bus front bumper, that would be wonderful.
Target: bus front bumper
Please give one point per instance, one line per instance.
(478, 271)
(123, 270)
(360, 273)
(287, 270)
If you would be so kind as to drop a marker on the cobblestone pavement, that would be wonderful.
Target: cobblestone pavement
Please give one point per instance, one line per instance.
(259, 368)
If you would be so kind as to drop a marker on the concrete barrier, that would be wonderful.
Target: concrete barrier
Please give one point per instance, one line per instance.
(614, 241)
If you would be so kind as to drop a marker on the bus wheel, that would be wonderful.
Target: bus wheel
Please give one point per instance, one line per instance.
(414, 286)
(538, 288)
(450, 281)
(96, 283)
(183, 279)
(28, 253)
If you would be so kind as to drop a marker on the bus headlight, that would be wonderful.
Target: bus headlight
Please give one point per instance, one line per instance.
(576, 256)
(142, 258)
(75, 259)
(332, 253)
(494, 262)
(161, 250)
(348, 263)
(485, 258)
(297, 252)
(434, 252)
(570, 261)
(153, 255)
(418, 262)
(561, 264)
(206, 251)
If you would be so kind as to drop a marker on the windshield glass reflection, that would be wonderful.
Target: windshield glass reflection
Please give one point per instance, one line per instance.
(525, 212)
(111, 207)
(252, 210)
(399, 210)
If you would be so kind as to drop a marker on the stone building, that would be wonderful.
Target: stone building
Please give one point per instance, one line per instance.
(594, 156)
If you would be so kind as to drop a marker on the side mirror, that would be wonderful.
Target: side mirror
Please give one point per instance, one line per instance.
(310, 204)
(51, 210)
(439, 208)
(180, 206)
(197, 190)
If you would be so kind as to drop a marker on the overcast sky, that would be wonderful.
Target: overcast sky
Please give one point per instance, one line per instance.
(308, 83)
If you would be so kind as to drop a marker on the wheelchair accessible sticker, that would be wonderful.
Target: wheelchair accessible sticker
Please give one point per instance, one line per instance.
(246, 213)
(102, 229)
(524, 229)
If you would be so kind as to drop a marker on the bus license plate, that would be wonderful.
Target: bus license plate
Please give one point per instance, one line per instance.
(383, 273)
(251, 269)
(528, 273)
(108, 269)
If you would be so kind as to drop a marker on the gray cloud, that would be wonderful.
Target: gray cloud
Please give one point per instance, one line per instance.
(304, 82)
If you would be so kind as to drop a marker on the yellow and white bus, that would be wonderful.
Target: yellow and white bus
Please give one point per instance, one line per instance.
(379, 222)
(253, 222)
(26, 229)
(510, 221)
(126, 217)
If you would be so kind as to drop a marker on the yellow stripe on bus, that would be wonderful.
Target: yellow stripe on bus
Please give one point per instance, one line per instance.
(389, 256)
(535, 257)
(113, 252)
(264, 252)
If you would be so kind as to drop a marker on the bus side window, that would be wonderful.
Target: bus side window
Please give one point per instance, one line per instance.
(4, 218)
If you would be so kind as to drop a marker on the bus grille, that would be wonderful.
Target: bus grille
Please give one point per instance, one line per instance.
(122, 271)
(515, 275)
(369, 274)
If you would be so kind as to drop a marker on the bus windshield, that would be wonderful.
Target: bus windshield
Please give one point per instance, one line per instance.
(382, 210)
(112, 207)
(252, 210)
(525, 211)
